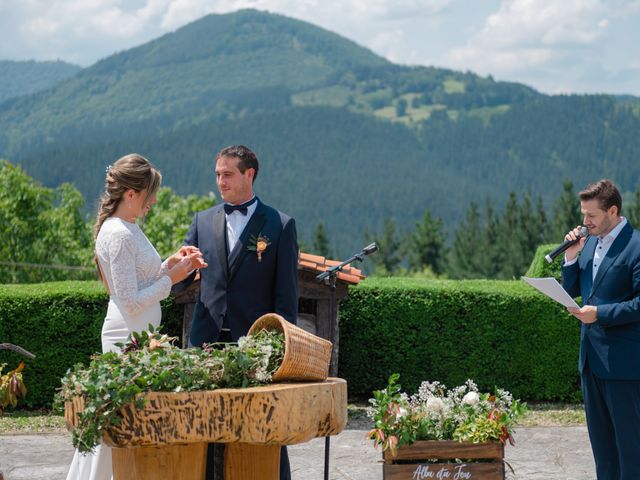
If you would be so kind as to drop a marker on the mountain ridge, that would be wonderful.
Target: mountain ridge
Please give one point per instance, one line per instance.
(345, 137)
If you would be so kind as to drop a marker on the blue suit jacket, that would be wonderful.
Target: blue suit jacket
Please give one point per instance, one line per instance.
(238, 286)
(611, 345)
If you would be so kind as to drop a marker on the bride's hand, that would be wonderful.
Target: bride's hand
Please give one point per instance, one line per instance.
(184, 251)
(187, 264)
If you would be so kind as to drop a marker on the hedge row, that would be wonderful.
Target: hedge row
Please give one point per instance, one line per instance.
(498, 333)
(60, 323)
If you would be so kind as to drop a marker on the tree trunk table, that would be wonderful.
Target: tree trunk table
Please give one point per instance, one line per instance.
(168, 438)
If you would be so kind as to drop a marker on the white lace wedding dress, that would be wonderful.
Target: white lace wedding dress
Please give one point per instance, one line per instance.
(137, 281)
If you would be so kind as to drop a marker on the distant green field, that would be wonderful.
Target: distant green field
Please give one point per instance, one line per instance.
(453, 86)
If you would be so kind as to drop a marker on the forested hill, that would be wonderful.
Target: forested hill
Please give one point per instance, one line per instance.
(22, 78)
(344, 136)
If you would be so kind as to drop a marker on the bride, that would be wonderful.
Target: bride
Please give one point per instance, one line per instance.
(132, 271)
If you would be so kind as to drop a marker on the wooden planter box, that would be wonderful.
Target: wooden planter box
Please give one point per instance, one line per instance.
(454, 460)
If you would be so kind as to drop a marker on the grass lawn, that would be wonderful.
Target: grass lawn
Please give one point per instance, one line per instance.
(539, 415)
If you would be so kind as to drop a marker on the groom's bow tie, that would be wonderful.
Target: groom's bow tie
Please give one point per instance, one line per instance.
(242, 208)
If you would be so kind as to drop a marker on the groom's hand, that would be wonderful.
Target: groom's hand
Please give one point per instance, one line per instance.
(183, 252)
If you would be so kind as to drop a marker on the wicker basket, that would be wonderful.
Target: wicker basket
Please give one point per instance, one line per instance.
(306, 356)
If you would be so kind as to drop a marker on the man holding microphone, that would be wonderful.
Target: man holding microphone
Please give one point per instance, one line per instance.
(606, 275)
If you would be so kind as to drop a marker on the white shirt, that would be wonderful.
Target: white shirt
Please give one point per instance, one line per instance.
(236, 223)
(602, 247)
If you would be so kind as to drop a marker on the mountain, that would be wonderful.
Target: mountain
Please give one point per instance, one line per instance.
(23, 78)
(344, 136)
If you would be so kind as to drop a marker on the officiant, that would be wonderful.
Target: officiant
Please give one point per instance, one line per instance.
(606, 275)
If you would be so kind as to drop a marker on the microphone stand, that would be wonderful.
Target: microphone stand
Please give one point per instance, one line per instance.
(329, 277)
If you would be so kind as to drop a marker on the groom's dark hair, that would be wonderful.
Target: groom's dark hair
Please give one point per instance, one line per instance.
(247, 159)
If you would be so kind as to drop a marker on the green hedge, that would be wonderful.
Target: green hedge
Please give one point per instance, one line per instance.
(499, 333)
(60, 323)
(541, 268)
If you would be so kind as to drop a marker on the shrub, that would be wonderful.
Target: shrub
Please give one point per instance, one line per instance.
(500, 333)
(59, 322)
(541, 268)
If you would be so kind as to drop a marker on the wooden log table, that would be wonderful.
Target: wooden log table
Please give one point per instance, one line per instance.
(168, 438)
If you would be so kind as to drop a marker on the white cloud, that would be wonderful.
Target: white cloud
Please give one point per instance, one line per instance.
(525, 34)
(539, 42)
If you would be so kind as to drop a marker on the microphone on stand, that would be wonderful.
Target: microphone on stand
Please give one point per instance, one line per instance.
(368, 250)
(584, 231)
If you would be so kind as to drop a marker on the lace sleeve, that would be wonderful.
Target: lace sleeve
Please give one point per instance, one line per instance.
(164, 269)
(122, 258)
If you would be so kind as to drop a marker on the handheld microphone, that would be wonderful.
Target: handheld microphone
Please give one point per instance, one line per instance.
(584, 231)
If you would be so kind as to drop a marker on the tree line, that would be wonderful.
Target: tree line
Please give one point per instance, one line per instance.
(45, 237)
(486, 244)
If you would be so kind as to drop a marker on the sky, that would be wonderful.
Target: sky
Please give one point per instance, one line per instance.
(555, 46)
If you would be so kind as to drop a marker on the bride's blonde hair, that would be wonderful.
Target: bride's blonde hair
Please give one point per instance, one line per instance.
(133, 172)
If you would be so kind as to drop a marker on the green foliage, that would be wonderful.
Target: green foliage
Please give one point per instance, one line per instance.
(425, 246)
(496, 332)
(320, 243)
(500, 247)
(566, 212)
(68, 318)
(39, 225)
(541, 268)
(45, 237)
(168, 221)
(150, 363)
(388, 257)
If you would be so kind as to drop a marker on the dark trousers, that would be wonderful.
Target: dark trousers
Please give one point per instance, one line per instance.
(215, 453)
(215, 463)
(612, 409)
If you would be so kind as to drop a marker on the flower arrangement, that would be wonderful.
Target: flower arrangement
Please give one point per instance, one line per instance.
(435, 413)
(149, 362)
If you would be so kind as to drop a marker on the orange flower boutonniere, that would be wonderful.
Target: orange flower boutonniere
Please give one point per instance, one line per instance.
(258, 244)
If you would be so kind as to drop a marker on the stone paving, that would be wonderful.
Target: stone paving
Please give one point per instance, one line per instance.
(549, 453)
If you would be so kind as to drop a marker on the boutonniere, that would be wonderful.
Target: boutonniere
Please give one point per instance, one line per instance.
(258, 244)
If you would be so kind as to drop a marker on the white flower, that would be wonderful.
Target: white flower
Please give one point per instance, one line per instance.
(471, 398)
(402, 412)
(435, 405)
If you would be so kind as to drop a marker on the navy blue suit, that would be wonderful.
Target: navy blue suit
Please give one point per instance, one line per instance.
(236, 288)
(610, 352)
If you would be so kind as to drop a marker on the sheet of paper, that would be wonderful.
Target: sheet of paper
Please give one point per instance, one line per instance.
(552, 289)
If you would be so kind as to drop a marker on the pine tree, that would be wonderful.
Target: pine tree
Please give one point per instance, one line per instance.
(632, 211)
(566, 212)
(467, 255)
(320, 242)
(389, 255)
(425, 246)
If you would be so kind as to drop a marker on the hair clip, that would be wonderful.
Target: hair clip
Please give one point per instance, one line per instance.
(108, 169)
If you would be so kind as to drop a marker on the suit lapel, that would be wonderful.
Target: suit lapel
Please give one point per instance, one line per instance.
(253, 229)
(220, 239)
(616, 247)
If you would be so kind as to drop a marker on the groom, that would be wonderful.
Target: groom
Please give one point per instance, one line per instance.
(252, 250)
